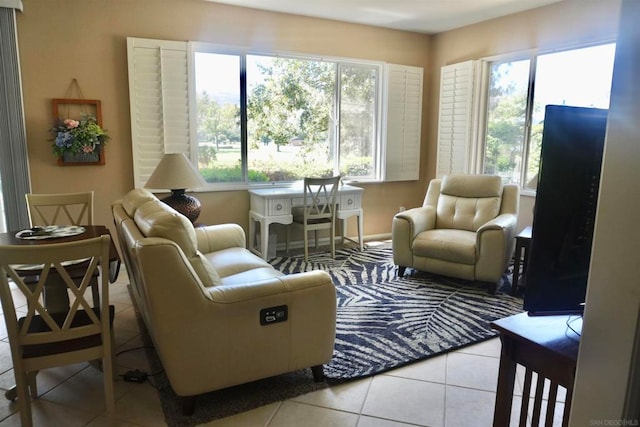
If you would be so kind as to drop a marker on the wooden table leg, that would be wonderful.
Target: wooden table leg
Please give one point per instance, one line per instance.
(506, 381)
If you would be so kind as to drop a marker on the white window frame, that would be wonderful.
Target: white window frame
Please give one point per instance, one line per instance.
(474, 130)
(170, 131)
(480, 129)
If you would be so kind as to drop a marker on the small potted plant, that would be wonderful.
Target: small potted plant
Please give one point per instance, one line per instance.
(78, 140)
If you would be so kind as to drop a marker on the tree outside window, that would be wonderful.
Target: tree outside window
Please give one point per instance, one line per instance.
(577, 77)
(304, 117)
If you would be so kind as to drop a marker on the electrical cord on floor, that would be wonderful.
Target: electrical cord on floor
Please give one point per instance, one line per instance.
(144, 347)
(136, 375)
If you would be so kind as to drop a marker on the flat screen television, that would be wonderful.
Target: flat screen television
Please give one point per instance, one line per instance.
(565, 208)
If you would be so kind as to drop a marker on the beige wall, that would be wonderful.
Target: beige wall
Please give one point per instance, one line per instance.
(64, 39)
(60, 40)
(605, 362)
(560, 25)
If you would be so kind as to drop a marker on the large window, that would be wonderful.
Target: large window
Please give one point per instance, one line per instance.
(519, 90)
(303, 117)
(248, 119)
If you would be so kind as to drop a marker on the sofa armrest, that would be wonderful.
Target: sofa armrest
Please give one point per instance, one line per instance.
(231, 294)
(420, 219)
(495, 243)
(405, 227)
(225, 332)
(505, 222)
(213, 238)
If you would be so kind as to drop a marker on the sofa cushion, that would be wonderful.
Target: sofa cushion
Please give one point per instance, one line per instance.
(157, 219)
(136, 198)
(458, 246)
(232, 261)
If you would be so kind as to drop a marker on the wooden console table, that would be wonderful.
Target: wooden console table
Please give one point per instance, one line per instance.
(546, 345)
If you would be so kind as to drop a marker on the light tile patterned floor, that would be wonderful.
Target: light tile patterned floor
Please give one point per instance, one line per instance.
(452, 390)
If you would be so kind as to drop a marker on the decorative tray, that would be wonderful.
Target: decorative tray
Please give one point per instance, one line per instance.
(50, 232)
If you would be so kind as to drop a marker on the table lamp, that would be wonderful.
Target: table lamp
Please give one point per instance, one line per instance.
(175, 172)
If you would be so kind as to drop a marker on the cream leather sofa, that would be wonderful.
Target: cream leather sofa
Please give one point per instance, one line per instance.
(464, 229)
(201, 293)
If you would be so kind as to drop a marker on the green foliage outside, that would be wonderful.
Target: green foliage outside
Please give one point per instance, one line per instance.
(290, 122)
(506, 127)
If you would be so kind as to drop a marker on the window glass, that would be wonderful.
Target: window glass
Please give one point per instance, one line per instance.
(357, 121)
(218, 117)
(580, 78)
(506, 118)
(290, 116)
(303, 117)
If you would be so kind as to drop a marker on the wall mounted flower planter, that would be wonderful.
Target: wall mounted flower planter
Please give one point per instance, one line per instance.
(76, 108)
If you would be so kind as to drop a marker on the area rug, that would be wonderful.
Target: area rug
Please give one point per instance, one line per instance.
(383, 322)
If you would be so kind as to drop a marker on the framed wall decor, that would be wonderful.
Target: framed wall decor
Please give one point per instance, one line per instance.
(78, 137)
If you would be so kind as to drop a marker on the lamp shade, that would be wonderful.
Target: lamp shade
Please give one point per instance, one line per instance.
(176, 173)
(173, 172)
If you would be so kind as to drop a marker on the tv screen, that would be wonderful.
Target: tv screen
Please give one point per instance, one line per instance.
(565, 208)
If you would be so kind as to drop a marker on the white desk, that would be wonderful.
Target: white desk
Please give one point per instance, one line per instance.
(269, 205)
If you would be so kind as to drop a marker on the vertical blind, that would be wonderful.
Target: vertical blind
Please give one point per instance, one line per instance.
(14, 167)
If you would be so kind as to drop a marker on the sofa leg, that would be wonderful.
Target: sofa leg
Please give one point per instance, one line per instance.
(401, 271)
(188, 405)
(318, 373)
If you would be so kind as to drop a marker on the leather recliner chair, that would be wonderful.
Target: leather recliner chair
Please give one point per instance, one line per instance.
(464, 229)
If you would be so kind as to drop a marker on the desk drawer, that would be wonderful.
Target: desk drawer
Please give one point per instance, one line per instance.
(278, 207)
(344, 201)
(350, 201)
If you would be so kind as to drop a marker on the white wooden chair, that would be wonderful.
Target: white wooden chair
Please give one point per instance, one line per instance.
(318, 211)
(60, 208)
(44, 339)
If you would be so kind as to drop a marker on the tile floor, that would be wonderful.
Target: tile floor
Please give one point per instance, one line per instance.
(456, 389)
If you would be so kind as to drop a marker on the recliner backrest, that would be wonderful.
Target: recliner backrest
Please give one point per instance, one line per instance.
(466, 202)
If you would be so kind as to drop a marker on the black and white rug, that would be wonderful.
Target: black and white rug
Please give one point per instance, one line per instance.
(383, 322)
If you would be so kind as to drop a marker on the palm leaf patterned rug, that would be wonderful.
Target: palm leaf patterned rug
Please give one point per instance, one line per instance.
(385, 321)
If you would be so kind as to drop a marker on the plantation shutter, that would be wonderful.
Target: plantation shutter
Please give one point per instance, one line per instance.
(456, 118)
(403, 122)
(159, 98)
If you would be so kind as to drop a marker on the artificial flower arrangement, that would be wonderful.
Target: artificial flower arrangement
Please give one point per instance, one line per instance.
(78, 136)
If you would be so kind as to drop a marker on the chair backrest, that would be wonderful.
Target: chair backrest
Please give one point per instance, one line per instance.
(60, 209)
(466, 202)
(33, 337)
(320, 198)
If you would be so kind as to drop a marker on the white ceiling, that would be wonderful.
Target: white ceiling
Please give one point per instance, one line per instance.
(424, 16)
